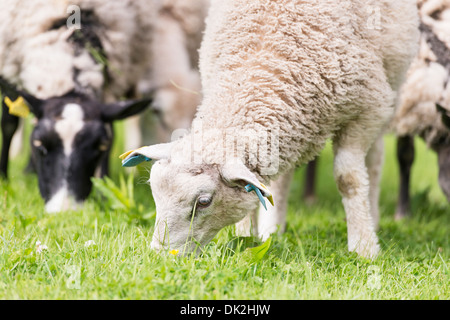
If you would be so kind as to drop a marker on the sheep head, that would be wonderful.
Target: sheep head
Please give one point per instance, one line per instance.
(72, 138)
(195, 200)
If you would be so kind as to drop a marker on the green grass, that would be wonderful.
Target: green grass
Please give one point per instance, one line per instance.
(309, 261)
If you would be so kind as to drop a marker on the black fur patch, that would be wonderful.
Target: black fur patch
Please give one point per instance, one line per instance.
(438, 47)
(88, 38)
(88, 35)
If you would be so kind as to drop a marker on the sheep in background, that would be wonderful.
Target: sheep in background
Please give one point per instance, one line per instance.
(298, 72)
(71, 78)
(426, 90)
(425, 101)
(178, 36)
(174, 78)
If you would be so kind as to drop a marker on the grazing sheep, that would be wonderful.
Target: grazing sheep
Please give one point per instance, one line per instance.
(174, 79)
(279, 78)
(426, 90)
(71, 77)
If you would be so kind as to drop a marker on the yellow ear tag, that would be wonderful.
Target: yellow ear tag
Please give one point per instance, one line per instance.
(132, 161)
(126, 154)
(18, 108)
(270, 198)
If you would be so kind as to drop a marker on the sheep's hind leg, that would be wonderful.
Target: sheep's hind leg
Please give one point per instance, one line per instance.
(405, 156)
(374, 163)
(309, 195)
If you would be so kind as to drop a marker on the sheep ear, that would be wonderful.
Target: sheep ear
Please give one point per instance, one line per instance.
(36, 105)
(14, 100)
(235, 173)
(156, 152)
(123, 109)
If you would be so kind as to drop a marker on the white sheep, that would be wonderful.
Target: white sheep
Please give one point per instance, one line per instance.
(69, 58)
(427, 85)
(174, 78)
(279, 78)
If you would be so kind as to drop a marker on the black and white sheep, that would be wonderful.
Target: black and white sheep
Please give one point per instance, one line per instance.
(425, 100)
(72, 61)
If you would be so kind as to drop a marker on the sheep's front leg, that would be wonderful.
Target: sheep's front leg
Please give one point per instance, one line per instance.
(352, 179)
(133, 134)
(247, 226)
(275, 217)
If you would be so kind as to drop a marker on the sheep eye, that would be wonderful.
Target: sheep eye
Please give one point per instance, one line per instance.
(204, 201)
(40, 147)
(103, 147)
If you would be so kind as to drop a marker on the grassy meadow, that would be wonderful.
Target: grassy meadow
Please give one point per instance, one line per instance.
(103, 250)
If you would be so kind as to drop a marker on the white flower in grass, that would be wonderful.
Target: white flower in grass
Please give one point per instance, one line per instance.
(40, 247)
(89, 243)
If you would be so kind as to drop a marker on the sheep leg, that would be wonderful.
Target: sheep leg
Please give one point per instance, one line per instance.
(405, 156)
(104, 165)
(104, 162)
(374, 163)
(9, 124)
(133, 134)
(309, 194)
(247, 226)
(17, 141)
(352, 178)
(30, 168)
(444, 169)
(275, 217)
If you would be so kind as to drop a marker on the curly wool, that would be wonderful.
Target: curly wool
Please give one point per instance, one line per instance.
(301, 74)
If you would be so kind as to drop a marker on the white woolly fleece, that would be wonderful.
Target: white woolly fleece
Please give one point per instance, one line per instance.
(304, 75)
(175, 75)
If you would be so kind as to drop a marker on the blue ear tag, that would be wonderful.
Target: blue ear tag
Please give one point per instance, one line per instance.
(134, 161)
(251, 188)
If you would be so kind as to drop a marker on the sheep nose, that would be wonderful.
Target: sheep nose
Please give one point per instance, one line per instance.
(62, 201)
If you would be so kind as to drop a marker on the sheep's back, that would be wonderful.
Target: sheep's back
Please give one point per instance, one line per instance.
(304, 68)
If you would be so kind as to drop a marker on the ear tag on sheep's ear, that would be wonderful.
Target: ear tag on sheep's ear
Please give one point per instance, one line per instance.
(250, 187)
(270, 197)
(133, 161)
(18, 108)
